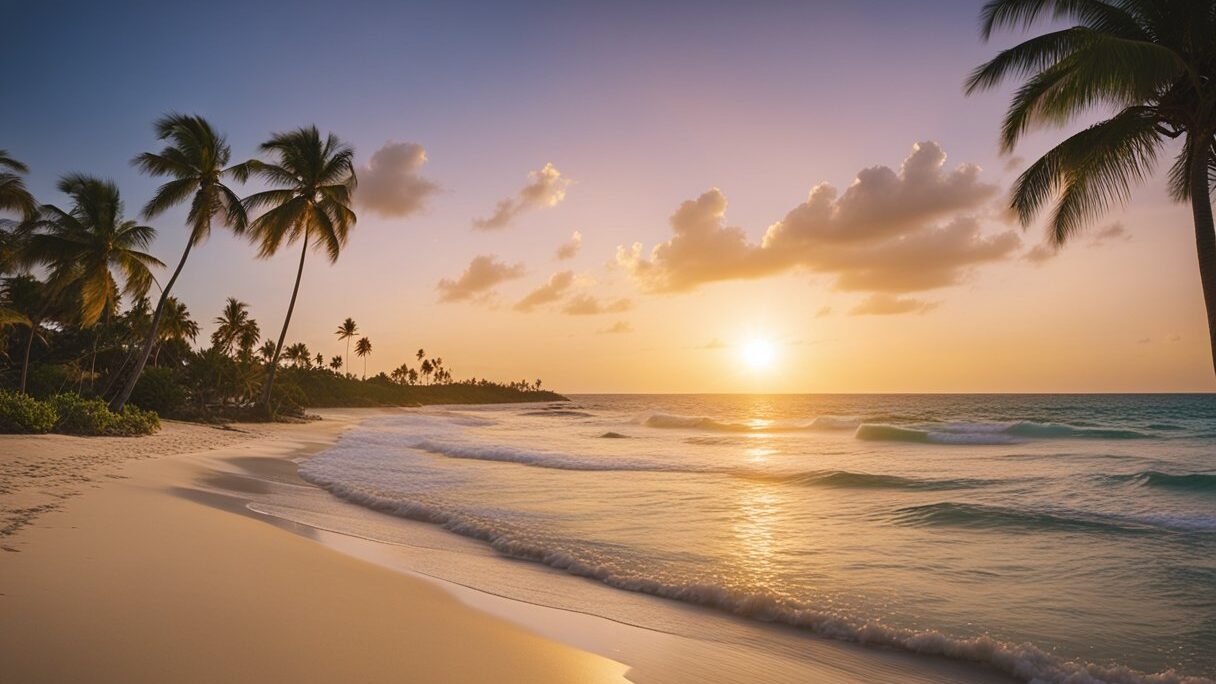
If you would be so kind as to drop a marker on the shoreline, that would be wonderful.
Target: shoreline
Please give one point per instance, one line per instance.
(132, 582)
(146, 508)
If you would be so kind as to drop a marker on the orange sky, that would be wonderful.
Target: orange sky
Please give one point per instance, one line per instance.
(707, 134)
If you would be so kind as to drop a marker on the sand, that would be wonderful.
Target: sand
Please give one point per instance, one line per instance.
(137, 560)
(112, 572)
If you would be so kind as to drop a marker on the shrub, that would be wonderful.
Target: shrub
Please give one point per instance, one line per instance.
(80, 416)
(158, 390)
(23, 414)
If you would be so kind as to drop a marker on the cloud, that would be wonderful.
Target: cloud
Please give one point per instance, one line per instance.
(823, 312)
(553, 289)
(390, 184)
(1014, 163)
(483, 274)
(545, 188)
(1144, 340)
(1112, 233)
(587, 305)
(569, 248)
(1041, 254)
(713, 344)
(894, 232)
(890, 305)
(617, 328)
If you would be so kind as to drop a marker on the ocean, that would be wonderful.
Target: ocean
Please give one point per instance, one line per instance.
(1052, 538)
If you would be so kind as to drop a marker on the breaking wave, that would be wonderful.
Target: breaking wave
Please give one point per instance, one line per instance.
(1021, 660)
(987, 433)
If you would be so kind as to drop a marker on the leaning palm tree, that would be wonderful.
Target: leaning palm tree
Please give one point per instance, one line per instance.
(235, 328)
(90, 248)
(1154, 62)
(362, 349)
(196, 162)
(315, 178)
(347, 330)
(13, 195)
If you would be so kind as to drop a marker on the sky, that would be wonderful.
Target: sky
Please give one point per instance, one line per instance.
(627, 197)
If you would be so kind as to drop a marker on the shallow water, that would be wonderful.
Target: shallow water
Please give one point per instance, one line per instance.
(1046, 536)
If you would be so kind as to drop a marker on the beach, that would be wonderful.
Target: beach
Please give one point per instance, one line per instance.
(130, 578)
(394, 545)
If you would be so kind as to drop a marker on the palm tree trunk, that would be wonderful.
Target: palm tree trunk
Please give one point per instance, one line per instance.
(345, 363)
(25, 361)
(278, 348)
(120, 400)
(364, 367)
(1205, 232)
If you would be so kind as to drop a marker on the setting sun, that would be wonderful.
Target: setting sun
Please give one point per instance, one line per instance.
(759, 353)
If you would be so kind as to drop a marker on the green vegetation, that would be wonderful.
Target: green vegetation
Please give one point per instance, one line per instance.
(71, 414)
(21, 413)
(1153, 65)
(74, 359)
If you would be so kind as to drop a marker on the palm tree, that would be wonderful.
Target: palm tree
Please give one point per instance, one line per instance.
(311, 205)
(267, 351)
(362, 348)
(1155, 63)
(176, 326)
(85, 247)
(420, 354)
(426, 369)
(347, 330)
(298, 354)
(13, 195)
(335, 363)
(320, 359)
(235, 328)
(196, 161)
(27, 304)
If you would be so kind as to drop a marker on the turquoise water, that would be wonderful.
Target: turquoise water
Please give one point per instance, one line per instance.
(1055, 538)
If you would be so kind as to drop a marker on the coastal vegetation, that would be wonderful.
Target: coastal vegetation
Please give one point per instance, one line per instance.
(84, 351)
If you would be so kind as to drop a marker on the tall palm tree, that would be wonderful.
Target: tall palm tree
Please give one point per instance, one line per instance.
(314, 179)
(362, 348)
(90, 248)
(195, 159)
(1154, 62)
(235, 328)
(347, 330)
(13, 195)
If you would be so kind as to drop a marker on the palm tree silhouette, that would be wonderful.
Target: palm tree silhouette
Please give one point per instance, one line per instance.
(29, 305)
(235, 328)
(196, 160)
(362, 348)
(267, 351)
(1151, 61)
(176, 325)
(347, 330)
(85, 247)
(335, 363)
(13, 195)
(315, 179)
(420, 354)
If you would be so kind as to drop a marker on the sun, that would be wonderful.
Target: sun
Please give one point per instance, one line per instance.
(759, 354)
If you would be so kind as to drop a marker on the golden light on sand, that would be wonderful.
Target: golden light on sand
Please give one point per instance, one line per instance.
(759, 354)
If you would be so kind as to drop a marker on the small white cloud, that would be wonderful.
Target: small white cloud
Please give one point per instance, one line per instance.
(482, 275)
(569, 248)
(545, 188)
(553, 289)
